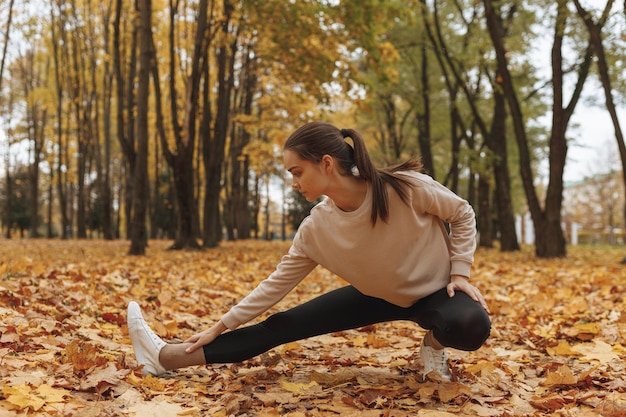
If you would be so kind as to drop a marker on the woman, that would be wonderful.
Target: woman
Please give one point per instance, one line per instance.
(378, 229)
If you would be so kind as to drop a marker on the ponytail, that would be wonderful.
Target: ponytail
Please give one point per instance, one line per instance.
(313, 140)
(379, 177)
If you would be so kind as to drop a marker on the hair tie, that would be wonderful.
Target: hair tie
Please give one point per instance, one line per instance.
(344, 133)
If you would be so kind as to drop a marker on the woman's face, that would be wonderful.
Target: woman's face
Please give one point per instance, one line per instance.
(308, 178)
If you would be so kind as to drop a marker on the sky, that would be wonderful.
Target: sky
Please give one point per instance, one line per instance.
(592, 147)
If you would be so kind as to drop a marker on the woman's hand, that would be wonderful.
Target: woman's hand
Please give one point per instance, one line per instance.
(461, 283)
(205, 337)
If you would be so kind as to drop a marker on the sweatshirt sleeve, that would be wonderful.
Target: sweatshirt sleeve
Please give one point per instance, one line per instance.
(292, 269)
(458, 213)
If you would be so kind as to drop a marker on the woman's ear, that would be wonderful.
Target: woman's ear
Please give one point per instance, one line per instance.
(328, 163)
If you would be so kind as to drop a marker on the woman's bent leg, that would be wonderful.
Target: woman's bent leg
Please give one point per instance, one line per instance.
(457, 322)
(341, 309)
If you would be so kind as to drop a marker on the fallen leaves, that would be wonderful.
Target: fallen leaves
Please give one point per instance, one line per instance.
(557, 343)
(24, 396)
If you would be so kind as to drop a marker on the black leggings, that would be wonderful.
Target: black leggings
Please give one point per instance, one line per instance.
(458, 322)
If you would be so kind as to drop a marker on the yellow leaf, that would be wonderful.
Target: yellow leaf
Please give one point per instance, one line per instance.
(599, 351)
(291, 346)
(588, 328)
(563, 349)
(562, 376)
(23, 397)
(481, 367)
(375, 342)
(50, 394)
(295, 387)
(359, 341)
(82, 355)
(134, 379)
(153, 383)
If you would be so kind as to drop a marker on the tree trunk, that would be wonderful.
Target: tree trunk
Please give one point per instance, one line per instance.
(243, 215)
(237, 212)
(423, 114)
(182, 162)
(7, 162)
(104, 174)
(8, 216)
(78, 98)
(64, 233)
(484, 222)
(256, 205)
(49, 206)
(214, 149)
(139, 236)
(494, 26)
(125, 109)
(30, 77)
(595, 35)
(503, 201)
(7, 33)
(100, 109)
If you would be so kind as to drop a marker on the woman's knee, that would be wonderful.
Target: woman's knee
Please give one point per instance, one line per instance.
(476, 328)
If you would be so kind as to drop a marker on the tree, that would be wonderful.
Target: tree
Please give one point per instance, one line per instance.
(139, 234)
(550, 240)
(61, 146)
(125, 101)
(237, 213)
(181, 161)
(27, 75)
(15, 203)
(102, 141)
(5, 48)
(214, 144)
(7, 32)
(595, 35)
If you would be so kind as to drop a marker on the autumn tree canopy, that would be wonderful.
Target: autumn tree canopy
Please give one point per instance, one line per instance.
(168, 116)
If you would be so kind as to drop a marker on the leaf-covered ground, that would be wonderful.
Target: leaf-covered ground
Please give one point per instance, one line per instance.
(557, 344)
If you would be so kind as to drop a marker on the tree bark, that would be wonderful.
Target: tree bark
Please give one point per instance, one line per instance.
(7, 33)
(181, 162)
(139, 235)
(125, 108)
(65, 231)
(80, 103)
(503, 200)
(423, 114)
(214, 147)
(104, 173)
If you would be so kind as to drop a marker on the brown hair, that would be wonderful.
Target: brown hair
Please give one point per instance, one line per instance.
(315, 139)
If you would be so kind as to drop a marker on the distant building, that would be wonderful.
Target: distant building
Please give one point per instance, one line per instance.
(593, 210)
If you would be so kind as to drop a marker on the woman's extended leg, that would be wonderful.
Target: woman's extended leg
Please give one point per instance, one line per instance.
(340, 309)
(457, 322)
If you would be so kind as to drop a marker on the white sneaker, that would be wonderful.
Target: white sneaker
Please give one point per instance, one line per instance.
(435, 360)
(146, 344)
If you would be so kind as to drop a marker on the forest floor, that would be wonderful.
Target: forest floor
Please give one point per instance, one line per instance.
(556, 347)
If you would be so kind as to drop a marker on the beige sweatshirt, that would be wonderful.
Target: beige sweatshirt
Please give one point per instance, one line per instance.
(401, 260)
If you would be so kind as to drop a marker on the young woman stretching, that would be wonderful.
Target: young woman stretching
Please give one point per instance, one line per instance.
(378, 229)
